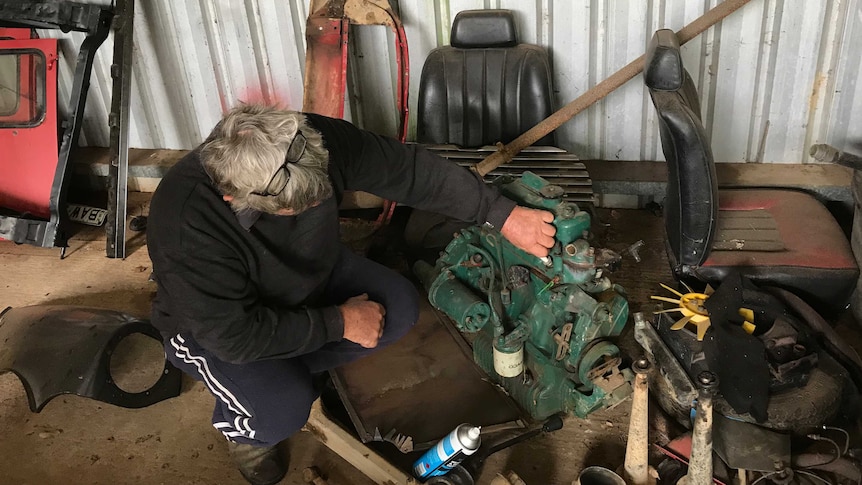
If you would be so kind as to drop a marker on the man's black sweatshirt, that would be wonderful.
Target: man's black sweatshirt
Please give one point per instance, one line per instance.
(247, 286)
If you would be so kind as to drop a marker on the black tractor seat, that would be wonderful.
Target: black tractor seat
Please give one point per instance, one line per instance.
(782, 237)
(486, 88)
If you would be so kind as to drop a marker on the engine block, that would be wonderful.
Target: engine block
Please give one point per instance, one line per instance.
(541, 327)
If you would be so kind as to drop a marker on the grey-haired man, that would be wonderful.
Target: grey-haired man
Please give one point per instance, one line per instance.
(255, 292)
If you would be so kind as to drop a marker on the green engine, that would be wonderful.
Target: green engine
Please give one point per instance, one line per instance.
(541, 325)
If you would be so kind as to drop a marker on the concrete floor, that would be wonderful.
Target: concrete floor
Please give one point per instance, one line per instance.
(80, 441)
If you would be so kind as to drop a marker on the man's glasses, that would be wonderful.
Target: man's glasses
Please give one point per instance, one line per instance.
(294, 152)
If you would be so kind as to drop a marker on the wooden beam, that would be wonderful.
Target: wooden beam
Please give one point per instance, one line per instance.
(352, 450)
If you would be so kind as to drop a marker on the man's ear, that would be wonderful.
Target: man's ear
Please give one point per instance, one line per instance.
(227, 198)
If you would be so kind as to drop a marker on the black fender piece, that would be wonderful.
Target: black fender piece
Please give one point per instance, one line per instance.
(67, 350)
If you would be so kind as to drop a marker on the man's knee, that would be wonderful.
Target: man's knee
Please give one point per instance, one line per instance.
(402, 311)
(276, 426)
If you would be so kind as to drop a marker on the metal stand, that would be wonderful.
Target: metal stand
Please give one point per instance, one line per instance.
(118, 172)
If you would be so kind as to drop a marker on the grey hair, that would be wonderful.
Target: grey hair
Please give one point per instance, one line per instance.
(249, 145)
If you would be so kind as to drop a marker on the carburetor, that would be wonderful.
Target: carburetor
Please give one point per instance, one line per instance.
(540, 327)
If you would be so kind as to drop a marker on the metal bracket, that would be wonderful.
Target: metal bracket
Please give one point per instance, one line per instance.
(562, 339)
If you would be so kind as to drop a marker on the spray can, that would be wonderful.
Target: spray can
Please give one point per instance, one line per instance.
(448, 453)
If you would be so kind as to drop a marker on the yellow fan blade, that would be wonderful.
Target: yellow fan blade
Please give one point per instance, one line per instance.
(701, 328)
(748, 327)
(668, 288)
(664, 298)
(747, 314)
(680, 324)
(669, 310)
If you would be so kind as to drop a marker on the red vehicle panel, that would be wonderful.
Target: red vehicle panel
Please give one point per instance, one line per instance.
(28, 124)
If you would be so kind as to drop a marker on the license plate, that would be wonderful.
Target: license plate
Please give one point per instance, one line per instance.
(92, 216)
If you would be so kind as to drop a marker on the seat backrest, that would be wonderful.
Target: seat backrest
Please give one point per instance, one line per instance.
(691, 205)
(484, 88)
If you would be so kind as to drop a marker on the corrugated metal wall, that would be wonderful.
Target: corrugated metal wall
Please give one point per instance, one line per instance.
(774, 77)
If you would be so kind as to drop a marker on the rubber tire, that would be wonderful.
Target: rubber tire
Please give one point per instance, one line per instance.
(798, 410)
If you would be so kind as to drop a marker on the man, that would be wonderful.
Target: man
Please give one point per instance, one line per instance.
(256, 295)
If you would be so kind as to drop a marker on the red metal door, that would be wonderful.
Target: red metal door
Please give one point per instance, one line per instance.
(28, 124)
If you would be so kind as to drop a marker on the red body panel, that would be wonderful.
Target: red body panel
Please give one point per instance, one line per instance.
(28, 154)
(13, 33)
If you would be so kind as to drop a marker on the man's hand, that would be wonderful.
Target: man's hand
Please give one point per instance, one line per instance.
(363, 320)
(530, 230)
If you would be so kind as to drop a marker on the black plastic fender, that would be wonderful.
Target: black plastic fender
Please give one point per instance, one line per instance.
(58, 350)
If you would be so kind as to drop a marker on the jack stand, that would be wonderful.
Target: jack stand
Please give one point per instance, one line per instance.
(636, 468)
(352, 450)
(700, 463)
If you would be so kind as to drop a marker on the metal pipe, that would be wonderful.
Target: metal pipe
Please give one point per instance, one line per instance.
(506, 152)
(700, 461)
(636, 467)
(829, 154)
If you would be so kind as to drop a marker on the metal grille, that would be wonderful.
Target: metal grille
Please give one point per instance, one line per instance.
(555, 165)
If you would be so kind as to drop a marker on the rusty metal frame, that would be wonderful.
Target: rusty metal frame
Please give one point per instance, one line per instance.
(327, 39)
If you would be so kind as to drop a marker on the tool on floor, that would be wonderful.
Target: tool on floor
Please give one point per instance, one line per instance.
(700, 463)
(450, 451)
(634, 250)
(636, 466)
(312, 476)
(541, 332)
(466, 473)
(474, 464)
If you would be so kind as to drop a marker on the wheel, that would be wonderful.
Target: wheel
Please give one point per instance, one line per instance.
(797, 410)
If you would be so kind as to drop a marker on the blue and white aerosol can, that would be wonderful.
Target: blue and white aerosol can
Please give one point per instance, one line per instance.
(448, 453)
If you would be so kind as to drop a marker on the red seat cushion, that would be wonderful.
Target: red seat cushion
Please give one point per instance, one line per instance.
(816, 261)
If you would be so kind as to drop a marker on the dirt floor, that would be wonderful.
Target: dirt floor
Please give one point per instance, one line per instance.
(75, 440)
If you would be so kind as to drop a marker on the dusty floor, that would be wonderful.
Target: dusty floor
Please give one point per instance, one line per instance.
(80, 441)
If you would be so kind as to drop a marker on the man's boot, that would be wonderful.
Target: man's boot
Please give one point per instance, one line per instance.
(260, 465)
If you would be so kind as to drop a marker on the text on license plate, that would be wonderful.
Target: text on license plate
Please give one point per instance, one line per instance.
(84, 214)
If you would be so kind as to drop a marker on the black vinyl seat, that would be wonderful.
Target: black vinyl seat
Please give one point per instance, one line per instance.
(784, 238)
(487, 88)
